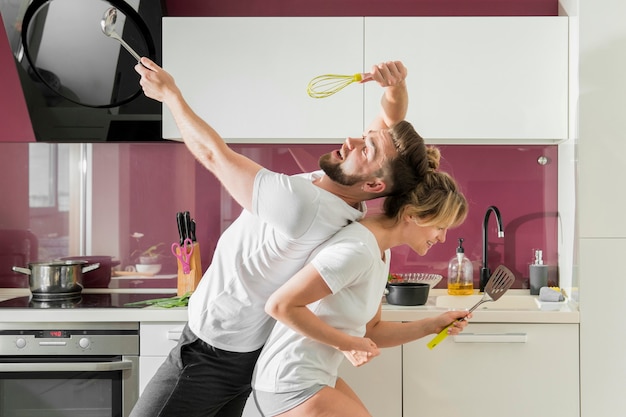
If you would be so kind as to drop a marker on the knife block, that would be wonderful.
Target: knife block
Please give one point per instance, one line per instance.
(189, 282)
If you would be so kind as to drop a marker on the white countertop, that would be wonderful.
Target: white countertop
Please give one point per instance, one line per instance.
(564, 312)
(491, 312)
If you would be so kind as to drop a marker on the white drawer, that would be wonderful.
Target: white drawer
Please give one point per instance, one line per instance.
(157, 339)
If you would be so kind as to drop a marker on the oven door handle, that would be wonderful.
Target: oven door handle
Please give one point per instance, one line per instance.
(66, 367)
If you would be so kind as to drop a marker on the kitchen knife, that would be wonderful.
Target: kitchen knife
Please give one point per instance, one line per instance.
(187, 225)
(192, 233)
(181, 226)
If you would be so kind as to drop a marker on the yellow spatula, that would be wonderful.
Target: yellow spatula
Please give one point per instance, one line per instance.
(499, 282)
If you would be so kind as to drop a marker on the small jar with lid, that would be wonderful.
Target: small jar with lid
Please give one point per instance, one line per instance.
(460, 273)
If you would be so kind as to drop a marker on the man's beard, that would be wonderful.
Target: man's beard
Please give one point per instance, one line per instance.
(335, 173)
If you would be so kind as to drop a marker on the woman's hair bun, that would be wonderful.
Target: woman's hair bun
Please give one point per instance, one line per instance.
(434, 156)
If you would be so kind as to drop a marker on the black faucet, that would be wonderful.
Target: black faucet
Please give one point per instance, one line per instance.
(485, 273)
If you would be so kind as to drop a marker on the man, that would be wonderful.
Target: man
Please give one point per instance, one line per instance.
(284, 218)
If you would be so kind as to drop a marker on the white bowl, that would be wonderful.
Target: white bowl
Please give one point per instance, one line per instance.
(148, 268)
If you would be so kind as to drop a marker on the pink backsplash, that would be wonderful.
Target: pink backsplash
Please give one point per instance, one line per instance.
(508, 177)
(155, 180)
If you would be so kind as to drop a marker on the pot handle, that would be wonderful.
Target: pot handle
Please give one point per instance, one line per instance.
(91, 267)
(22, 270)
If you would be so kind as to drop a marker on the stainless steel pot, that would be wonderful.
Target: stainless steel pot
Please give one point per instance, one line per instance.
(101, 277)
(57, 277)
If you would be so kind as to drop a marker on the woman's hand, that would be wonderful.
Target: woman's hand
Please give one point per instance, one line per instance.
(361, 351)
(442, 321)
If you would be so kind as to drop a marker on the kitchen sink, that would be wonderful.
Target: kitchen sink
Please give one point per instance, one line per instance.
(510, 302)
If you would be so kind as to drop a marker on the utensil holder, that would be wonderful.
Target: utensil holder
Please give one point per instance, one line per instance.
(189, 282)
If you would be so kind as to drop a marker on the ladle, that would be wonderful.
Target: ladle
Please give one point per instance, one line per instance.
(108, 28)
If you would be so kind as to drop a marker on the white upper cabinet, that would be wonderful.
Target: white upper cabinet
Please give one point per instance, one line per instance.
(477, 79)
(471, 79)
(247, 76)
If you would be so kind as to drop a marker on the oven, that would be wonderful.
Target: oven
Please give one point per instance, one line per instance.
(68, 369)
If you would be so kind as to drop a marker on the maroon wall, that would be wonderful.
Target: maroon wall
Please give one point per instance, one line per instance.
(362, 8)
(15, 123)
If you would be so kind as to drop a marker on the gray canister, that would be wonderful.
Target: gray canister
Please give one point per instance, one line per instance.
(538, 273)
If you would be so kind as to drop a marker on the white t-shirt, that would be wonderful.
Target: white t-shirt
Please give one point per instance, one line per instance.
(350, 263)
(258, 253)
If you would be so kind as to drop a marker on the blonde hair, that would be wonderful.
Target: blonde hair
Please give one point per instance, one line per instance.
(435, 200)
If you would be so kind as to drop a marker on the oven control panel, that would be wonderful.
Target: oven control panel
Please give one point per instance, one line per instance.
(69, 342)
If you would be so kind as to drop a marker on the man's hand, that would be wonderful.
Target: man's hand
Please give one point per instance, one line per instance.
(390, 73)
(155, 81)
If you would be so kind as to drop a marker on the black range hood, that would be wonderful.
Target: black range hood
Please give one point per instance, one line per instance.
(80, 85)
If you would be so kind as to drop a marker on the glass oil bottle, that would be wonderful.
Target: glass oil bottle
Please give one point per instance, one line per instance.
(460, 273)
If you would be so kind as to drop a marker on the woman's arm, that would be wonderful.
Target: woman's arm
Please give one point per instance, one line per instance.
(289, 306)
(391, 333)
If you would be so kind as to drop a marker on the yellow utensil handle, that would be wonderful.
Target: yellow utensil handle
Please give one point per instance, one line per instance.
(364, 77)
(440, 336)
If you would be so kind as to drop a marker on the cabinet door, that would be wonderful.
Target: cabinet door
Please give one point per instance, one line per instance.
(155, 342)
(491, 370)
(378, 383)
(247, 76)
(477, 79)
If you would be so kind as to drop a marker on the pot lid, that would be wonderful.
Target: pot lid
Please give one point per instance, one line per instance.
(58, 263)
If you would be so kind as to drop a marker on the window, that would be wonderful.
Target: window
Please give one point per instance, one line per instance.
(48, 176)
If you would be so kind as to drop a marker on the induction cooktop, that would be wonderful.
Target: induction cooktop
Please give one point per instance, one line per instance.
(117, 300)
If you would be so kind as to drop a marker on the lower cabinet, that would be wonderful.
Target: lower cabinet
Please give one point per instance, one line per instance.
(516, 370)
(378, 383)
(156, 339)
(489, 370)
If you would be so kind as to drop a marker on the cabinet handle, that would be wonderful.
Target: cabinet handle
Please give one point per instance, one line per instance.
(174, 334)
(491, 338)
(66, 366)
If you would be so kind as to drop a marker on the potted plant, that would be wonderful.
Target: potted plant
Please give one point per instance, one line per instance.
(152, 255)
(148, 256)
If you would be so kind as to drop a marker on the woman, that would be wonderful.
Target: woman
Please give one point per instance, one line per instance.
(324, 311)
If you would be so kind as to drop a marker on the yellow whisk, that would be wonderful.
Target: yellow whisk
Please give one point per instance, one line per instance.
(326, 85)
